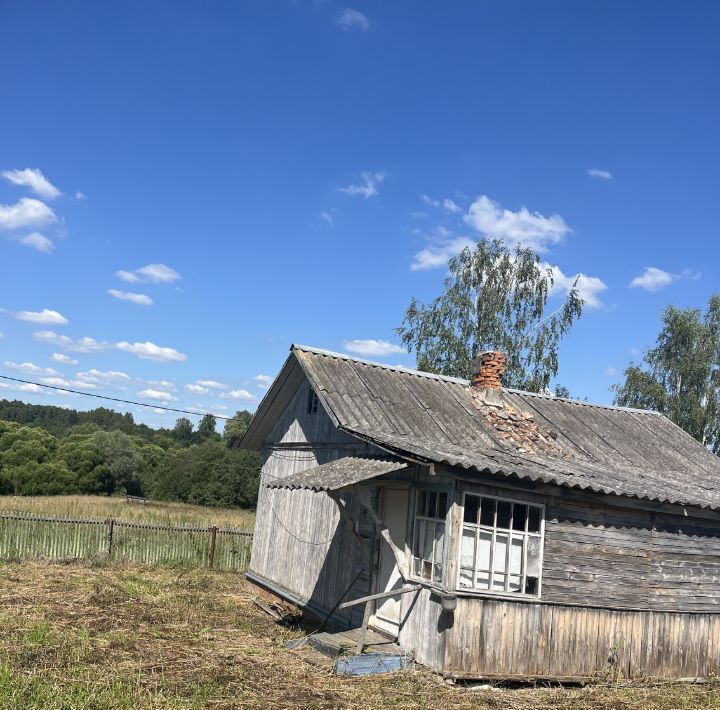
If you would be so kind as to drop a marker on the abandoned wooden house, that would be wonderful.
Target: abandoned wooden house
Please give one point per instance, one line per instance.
(518, 534)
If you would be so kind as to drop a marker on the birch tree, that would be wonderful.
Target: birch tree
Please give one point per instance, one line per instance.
(680, 376)
(494, 298)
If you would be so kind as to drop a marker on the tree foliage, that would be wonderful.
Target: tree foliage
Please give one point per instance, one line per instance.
(680, 376)
(179, 464)
(494, 298)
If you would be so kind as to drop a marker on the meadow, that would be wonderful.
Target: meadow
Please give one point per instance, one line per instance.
(86, 506)
(96, 636)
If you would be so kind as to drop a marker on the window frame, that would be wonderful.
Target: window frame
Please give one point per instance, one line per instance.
(442, 561)
(540, 535)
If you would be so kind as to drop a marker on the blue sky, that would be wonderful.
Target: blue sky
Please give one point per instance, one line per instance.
(270, 172)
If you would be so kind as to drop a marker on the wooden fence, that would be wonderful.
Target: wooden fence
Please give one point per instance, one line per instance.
(24, 536)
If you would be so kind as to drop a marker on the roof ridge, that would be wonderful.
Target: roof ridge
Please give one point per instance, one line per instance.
(459, 380)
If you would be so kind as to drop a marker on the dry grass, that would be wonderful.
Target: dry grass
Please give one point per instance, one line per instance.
(152, 511)
(128, 637)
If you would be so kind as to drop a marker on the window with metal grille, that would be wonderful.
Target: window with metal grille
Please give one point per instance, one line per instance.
(501, 545)
(429, 534)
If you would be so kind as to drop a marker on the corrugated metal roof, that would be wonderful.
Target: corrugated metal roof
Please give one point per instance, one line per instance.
(433, 418)
(340, 473)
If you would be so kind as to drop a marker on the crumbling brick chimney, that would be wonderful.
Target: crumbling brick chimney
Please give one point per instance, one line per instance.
(488, 368)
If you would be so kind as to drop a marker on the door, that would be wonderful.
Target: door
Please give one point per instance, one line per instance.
(394, 513)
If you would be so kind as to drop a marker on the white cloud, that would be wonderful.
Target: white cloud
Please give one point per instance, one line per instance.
(157, 394)
(588, 287)
(35, 180)
(63, 359)
(139, 298)
(263, 381)
(165, 384)
(437, 255)
(28, 387)
(653, 279)
(610, 371)
(599, 174)
(369, 188)
(44, 317)
(529, 229)
(429, 201)
(98, 376)
(150, 351)
(80, 195)
(29, 368)
(152, 273)
(212, 384)
(327, 217)
(451, 206)
(2, 335)
(373, 347)
(28, 212)
(83, 345)
(349, 19)
(197, 389)
(37, 241)
(238, 394)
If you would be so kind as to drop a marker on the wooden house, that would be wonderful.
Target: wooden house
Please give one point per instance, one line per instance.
(518, 534)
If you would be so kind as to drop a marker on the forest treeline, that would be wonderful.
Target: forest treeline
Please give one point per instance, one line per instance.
(46, 450)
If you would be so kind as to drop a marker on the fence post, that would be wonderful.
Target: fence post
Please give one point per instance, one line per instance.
(213, 536)
(111, 524)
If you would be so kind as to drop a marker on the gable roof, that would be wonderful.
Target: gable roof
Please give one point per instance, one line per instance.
(433, 418)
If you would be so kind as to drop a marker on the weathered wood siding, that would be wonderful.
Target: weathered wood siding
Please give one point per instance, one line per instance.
(624, 556)
(422, 631)
(300, 545)
(505, 638)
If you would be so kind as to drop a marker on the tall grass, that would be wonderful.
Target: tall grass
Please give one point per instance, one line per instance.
(121, 509)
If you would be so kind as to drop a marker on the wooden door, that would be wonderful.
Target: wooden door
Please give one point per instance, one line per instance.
(394, 509)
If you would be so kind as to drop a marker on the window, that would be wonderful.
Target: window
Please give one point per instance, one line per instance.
(429, 534)
(501, 545)
(312, 406)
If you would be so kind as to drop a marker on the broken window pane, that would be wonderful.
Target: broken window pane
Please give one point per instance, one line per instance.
(431, 504)
(442, 506)
(504, 513)
(487, 511)
(421, 502)
(471, 509)
(534, 516)
(519, 516)
(505, 548)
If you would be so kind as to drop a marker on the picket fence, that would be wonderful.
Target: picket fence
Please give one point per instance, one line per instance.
(25, 536)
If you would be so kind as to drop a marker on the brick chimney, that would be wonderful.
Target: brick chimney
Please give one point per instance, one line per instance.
(488, 368)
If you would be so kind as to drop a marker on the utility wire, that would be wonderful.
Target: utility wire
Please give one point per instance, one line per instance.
(112, 399)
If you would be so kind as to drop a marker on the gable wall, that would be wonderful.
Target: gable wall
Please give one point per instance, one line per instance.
(300, 544)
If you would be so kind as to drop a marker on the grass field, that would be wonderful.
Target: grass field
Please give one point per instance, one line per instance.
(151, 511)
(76, 636)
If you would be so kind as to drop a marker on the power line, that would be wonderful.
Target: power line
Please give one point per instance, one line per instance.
(113, 399)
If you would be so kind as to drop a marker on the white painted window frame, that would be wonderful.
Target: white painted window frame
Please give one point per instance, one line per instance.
(493, 529)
